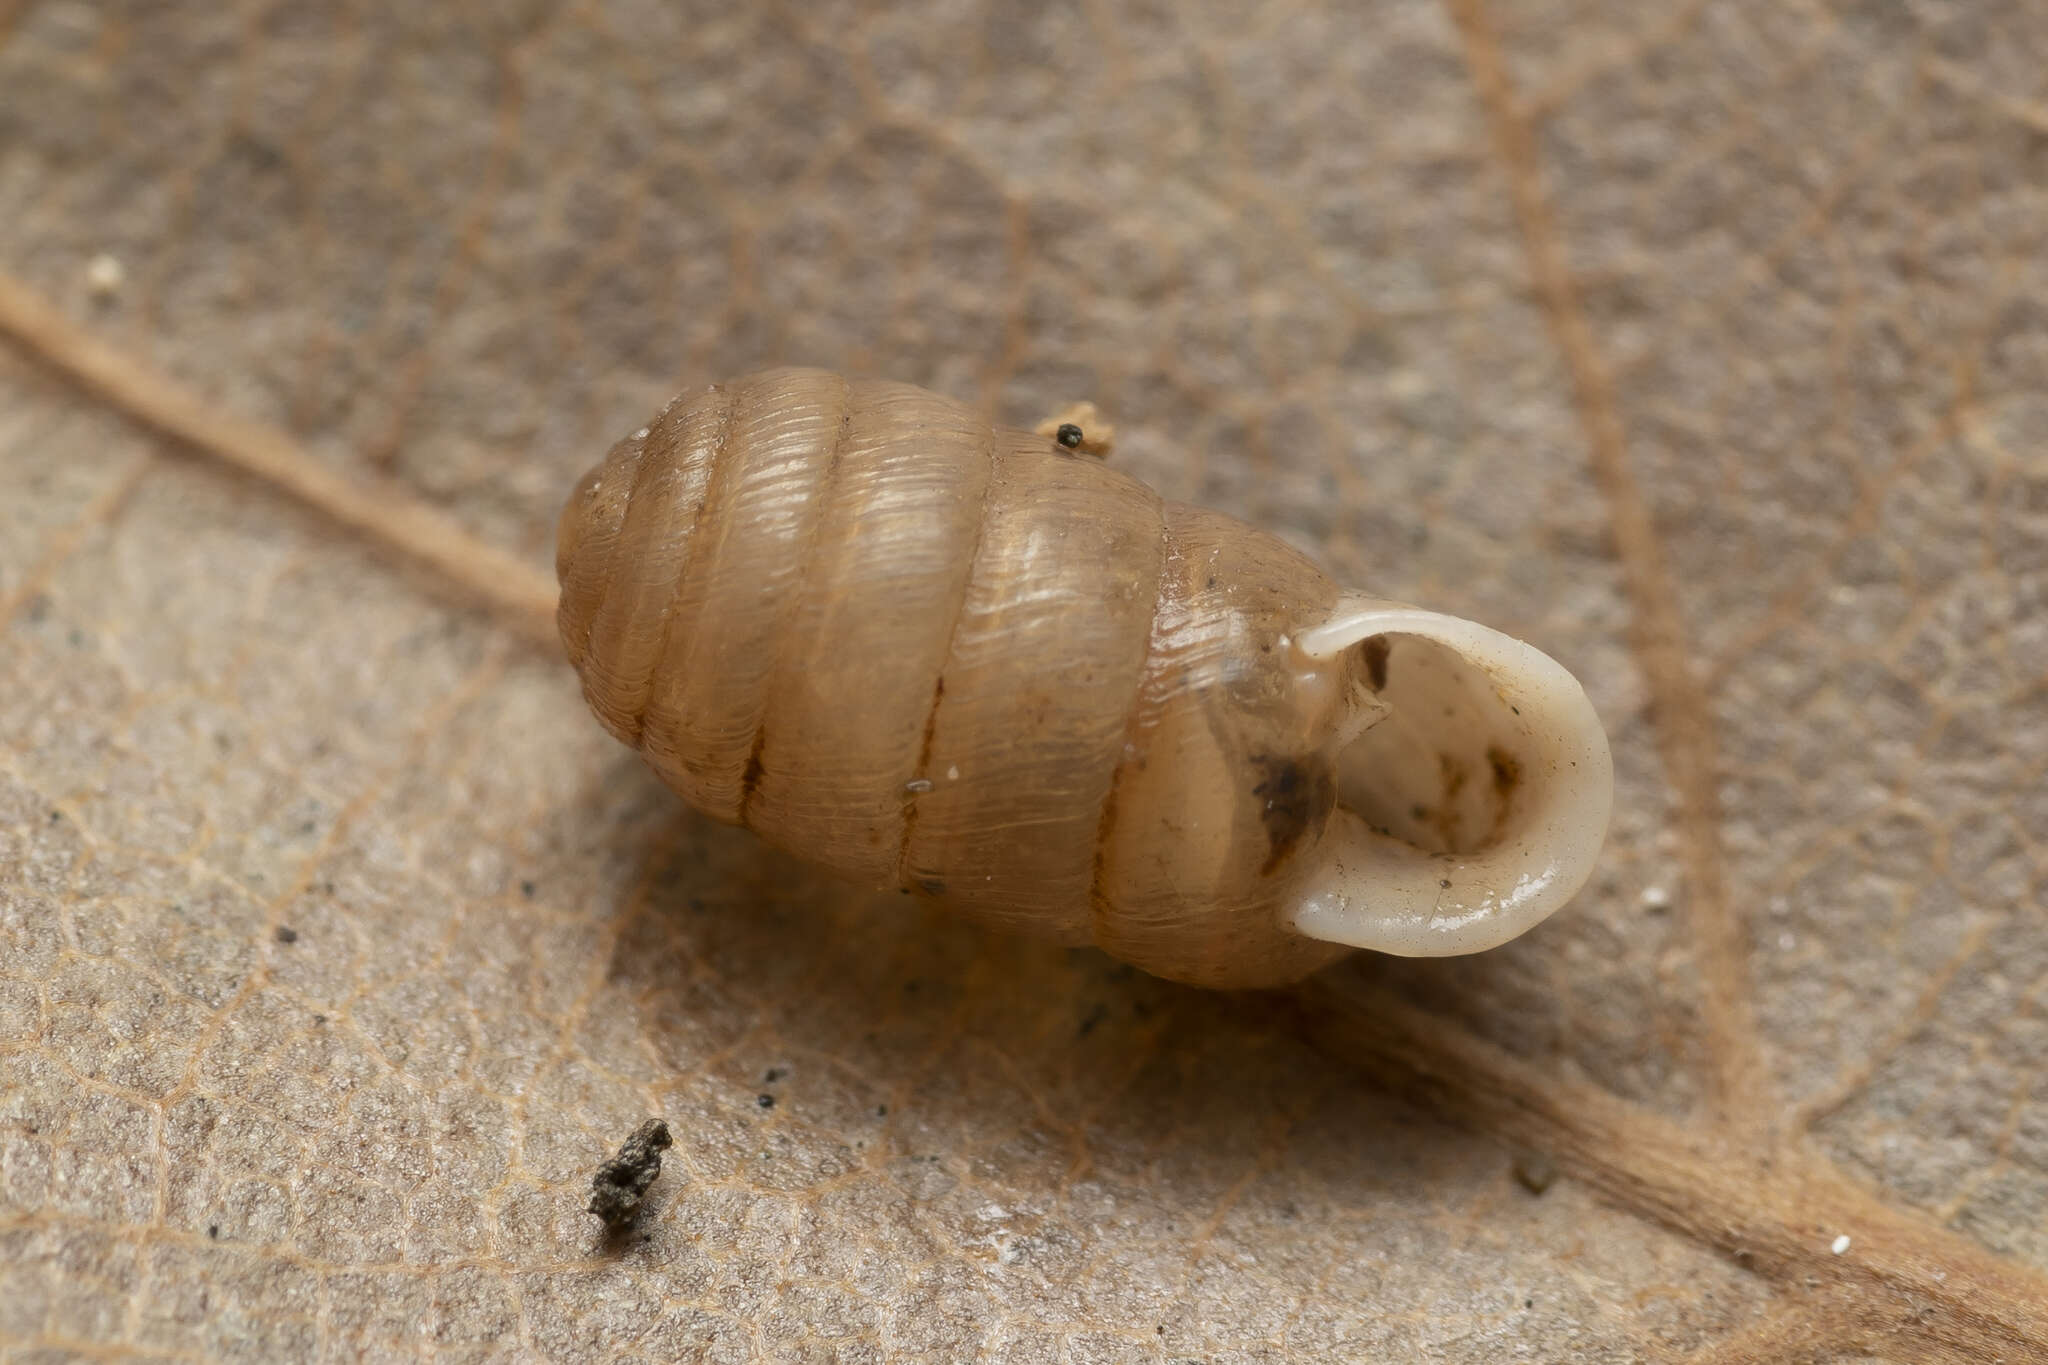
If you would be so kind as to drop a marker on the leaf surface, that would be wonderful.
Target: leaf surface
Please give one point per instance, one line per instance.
(1704, 346)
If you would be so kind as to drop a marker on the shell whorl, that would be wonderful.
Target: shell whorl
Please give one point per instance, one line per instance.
(860, 621)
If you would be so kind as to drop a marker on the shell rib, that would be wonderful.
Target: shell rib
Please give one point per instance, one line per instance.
(955, 659)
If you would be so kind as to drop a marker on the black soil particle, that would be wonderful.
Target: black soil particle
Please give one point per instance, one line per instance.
(621, 1183)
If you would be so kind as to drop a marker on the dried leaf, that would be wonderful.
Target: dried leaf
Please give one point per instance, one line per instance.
(1703, 345)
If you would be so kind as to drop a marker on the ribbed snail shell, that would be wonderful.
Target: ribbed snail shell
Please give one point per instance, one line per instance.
(931, 654)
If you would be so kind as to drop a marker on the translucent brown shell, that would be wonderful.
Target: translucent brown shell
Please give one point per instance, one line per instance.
(957, 659)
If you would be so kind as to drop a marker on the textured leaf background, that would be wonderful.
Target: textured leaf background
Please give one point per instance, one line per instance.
(1704, 345)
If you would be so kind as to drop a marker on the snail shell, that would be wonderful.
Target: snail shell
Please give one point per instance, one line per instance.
(927, 653)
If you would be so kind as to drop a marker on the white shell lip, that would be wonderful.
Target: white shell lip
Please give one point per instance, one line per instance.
(1374, 890)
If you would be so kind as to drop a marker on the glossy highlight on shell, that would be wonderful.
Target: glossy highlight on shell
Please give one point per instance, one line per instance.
(959, 659)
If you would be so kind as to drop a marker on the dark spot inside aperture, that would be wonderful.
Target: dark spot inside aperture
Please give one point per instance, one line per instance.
(931, 886)
(1507, 771)
(1296, 796)
(1376, 650)
(1069, 435)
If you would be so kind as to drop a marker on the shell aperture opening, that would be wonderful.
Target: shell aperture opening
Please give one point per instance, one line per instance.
(1473, 801)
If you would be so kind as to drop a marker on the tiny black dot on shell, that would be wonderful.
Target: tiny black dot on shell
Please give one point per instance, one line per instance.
(1069, 435)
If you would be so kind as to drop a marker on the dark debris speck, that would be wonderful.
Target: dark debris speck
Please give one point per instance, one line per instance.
(1534, 1171)
(287, 934)
(621, 1183)
(765, 1101)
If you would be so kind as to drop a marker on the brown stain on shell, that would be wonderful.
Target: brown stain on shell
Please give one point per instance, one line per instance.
(1296, 795)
